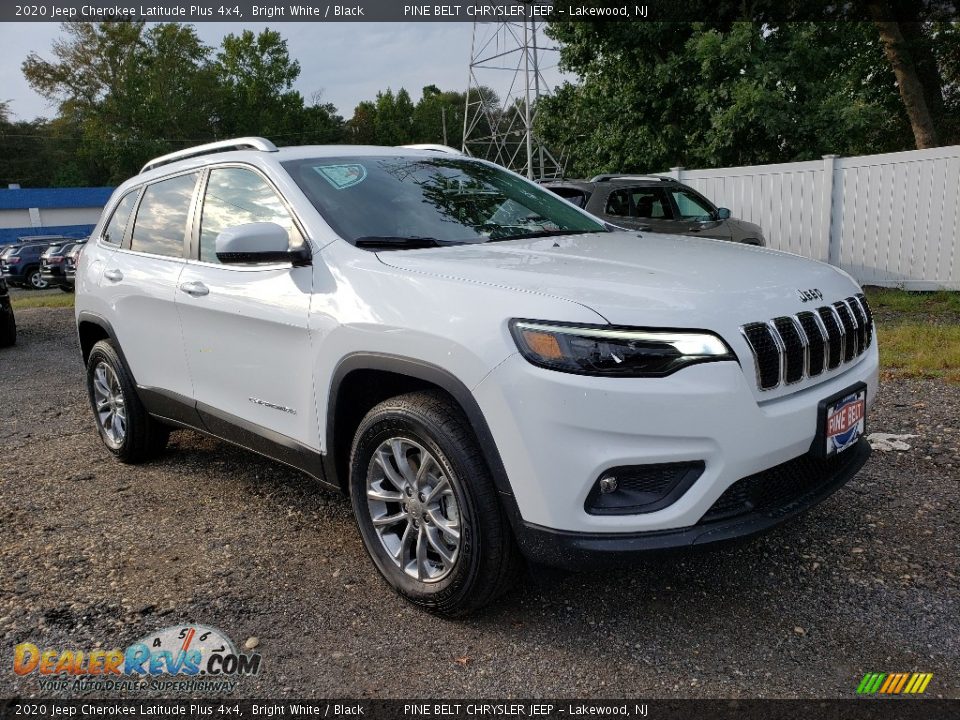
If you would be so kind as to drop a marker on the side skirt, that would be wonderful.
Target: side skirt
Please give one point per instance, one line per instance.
(183, 412)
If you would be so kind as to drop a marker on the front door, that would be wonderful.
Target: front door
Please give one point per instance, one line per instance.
(695, 215)
(245, 326)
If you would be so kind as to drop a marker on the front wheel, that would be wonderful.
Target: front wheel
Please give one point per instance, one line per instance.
(125, 427)
(427, 508)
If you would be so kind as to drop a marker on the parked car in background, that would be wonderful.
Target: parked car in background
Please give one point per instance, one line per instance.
(655, 204)
(8, 325)
(20, 264)
(53, 266)
(70, 266)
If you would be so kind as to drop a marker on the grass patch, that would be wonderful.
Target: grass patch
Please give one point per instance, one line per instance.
(920, 350)
(29, 300)
(889, 301)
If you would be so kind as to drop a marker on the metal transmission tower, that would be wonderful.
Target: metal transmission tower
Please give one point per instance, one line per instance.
(503, 93)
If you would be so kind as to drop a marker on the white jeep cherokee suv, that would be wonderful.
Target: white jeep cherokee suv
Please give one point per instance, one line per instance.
(488, 371)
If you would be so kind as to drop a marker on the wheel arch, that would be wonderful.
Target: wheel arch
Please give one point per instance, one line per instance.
(91, 329)
(361, 380)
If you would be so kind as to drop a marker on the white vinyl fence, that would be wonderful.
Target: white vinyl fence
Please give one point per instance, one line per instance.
(890, 220)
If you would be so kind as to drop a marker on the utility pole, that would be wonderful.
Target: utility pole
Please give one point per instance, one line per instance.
(505, 86)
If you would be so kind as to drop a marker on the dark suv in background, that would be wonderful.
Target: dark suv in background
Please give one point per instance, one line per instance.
(53, 265)
(655, 204)
(20, 263)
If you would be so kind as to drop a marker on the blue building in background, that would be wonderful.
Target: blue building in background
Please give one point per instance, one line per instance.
(73, 212)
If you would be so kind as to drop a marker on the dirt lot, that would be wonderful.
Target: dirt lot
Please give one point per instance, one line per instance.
(96, 553)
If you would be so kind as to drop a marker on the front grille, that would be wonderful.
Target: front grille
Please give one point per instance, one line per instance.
(789, 348)
(777, 491)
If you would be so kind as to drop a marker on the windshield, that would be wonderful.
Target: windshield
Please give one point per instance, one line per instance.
(371, 201)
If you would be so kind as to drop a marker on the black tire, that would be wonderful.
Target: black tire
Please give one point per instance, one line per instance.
(8, 330)
(487, 563)
(34, 280)
(143, 437)
(67, 288)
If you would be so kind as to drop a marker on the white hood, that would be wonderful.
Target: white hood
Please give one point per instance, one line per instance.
(642, 279)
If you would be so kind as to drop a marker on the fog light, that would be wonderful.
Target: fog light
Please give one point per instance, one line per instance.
(634, 489)
(608, 485)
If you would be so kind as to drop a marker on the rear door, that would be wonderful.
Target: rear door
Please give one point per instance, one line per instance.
(139, 281)
(245, 326)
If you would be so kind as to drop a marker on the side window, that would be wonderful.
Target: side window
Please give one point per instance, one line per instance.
(576, 196)
(638, 202)
(161, 221)
(237, 196)
(692, 206)
(121, 216)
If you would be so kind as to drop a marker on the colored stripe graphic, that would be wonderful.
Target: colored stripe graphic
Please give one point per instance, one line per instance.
(894, 683)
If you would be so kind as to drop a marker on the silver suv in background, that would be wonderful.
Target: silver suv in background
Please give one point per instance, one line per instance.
(655, 204)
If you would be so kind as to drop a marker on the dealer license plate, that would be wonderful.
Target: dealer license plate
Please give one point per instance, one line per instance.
(845, 422)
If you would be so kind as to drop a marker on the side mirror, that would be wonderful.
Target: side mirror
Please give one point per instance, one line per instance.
(260, 242)
(723, 213)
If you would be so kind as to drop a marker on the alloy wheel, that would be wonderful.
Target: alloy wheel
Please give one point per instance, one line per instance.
(413, 505)
(109, 404)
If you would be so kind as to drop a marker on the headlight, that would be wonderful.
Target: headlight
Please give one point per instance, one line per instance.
(624, 352)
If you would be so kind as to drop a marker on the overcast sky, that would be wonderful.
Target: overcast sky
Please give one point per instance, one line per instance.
(348, 62)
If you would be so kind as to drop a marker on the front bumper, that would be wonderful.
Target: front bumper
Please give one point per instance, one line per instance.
(557, 433)
(574, 551)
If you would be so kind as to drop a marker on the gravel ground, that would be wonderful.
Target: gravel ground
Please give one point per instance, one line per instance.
(94, 552)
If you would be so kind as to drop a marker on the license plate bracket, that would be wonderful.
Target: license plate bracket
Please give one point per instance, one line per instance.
(841, 421)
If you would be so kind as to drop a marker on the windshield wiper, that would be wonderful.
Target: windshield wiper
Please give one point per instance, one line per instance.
(540, 234)
(390, 242)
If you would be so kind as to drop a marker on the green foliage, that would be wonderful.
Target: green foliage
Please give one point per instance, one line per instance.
(127, 92)
(393, 119)
(655, 95)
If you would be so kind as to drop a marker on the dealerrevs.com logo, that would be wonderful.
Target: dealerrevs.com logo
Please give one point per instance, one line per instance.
(187, 658)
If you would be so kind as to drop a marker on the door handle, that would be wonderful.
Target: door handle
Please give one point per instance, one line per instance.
(113, 275)
(195, 289)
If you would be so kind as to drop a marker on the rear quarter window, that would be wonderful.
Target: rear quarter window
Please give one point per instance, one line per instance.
(117, 226)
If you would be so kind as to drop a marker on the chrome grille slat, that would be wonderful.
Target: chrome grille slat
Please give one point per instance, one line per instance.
(789, 348)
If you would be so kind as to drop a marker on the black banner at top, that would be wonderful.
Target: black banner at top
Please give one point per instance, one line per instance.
(196, 11)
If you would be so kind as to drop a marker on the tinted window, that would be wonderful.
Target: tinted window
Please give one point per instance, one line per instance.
(162, 216)
(691, 205)
(639, 202)
(236, 196)
(447, 200)
(121, 216)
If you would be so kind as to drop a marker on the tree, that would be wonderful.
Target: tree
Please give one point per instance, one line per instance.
(653, 95)
(438, 117)
(256, 76)
(362, 127)
(127, 92)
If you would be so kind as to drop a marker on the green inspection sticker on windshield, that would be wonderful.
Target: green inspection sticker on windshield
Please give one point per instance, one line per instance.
(342, 176)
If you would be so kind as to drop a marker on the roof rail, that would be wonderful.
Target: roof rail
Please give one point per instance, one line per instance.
(613, 176)
(432, 146)
(244, 143)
